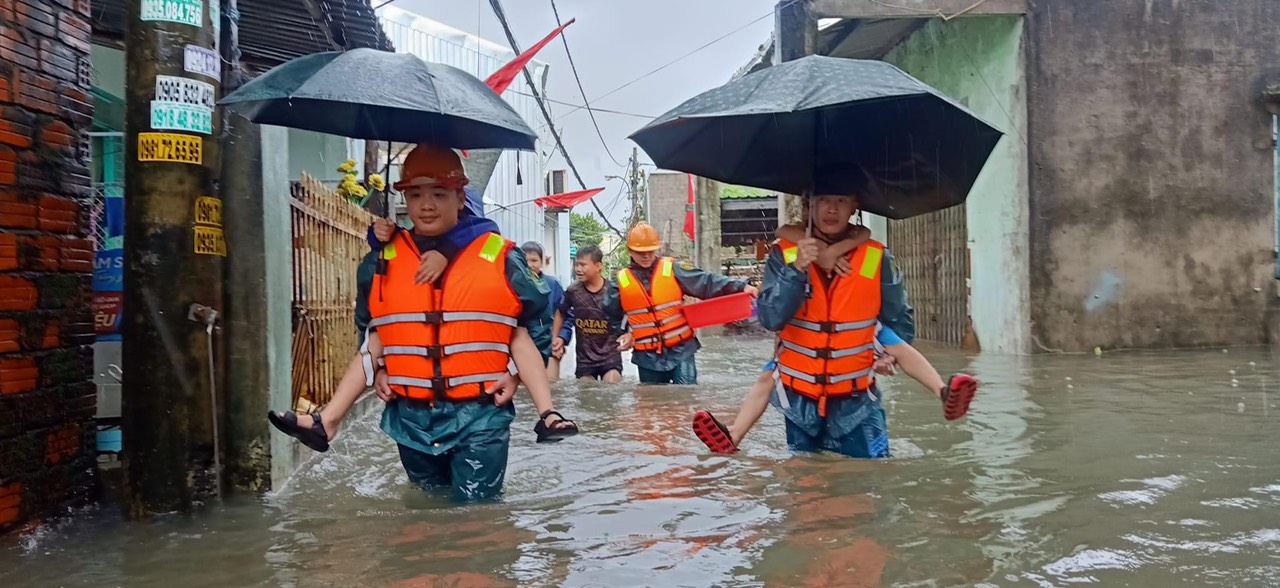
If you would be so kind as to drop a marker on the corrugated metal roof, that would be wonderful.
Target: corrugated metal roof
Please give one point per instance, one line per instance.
(275, 31)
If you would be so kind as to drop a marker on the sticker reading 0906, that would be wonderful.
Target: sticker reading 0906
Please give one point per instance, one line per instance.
(209, 241)
(170, 147)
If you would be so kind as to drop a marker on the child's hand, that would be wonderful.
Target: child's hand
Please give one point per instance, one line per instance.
(830, 260)
(807, 252)
(430, 268)
(384, 229)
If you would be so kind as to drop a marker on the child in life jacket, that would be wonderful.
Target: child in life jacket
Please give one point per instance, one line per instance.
(955, 394)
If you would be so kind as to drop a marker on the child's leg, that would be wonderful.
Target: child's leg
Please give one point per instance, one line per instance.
(353, 383)
(915, 365)
(721, 439)
(955, 394)
(753, 407)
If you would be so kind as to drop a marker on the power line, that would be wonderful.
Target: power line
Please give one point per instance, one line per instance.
(671, 63)
(537, 96)
(593, 108)
(585, 101)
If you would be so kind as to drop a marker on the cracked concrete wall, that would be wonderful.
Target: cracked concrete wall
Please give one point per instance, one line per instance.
(1152, 172)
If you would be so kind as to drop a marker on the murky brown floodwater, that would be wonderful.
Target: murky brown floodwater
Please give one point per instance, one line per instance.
(1130, 469)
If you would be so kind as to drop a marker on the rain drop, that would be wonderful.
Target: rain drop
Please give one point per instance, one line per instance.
(1239, 407)
(1234, 381)
(1068, 378)
(1232, 372)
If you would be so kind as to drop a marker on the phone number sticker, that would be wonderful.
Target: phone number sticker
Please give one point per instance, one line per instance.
(209, 241)
(170, 147)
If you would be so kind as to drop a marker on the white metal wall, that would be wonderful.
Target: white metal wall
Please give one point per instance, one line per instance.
(519, 177)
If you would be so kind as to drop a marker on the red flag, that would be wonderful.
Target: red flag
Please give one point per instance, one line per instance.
(568, 199)
(507, 74)
(690, 229)
(500, 80)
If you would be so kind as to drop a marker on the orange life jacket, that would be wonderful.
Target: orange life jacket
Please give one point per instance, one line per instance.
(828, 348)
(450, 342)
(656, 317)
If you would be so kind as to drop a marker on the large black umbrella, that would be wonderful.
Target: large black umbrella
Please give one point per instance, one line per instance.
(802, 126)
(371, 94)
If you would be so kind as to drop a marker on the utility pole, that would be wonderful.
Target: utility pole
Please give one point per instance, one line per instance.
(795, 35)
(174, 248)
(634, 179)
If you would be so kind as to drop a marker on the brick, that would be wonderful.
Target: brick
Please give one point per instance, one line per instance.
(37, 17)
(62, 445)
(18, 216)
(8, 248)
(77, 255)
(10, 336)
(71, 24)
(18, 375)
(17, 293)
(10, 503)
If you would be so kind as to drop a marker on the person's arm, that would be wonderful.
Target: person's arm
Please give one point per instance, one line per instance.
(613, 309)
(793, 232)
(365, 274)
(895, 312)
(783, 294)
(530, 370)
(705, 285)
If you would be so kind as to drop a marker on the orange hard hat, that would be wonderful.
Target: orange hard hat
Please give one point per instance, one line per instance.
(643, 237)
(431, 164)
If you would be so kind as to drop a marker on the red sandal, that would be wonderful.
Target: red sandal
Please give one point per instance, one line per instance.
(957, 395)
(713, 433)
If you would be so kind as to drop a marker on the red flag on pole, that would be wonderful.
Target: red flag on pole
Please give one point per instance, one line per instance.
(690, 228)
(500, 80)
(568, 199)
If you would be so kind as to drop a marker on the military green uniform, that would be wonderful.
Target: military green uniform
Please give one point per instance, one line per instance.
(674, 365)
(464, 444)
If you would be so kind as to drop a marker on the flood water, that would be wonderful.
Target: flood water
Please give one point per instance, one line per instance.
(1136, 469)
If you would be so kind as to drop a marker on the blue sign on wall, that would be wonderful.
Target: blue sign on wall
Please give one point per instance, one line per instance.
(108, 270)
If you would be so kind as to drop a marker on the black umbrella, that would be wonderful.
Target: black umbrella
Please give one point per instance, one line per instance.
(803, 126)
(371, 94)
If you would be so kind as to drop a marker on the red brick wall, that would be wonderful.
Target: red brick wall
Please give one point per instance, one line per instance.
(47, 398)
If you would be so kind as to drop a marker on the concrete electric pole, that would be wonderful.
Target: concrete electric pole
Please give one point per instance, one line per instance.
(174, 249)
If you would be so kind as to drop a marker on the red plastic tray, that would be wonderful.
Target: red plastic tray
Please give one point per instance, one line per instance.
(719, 311)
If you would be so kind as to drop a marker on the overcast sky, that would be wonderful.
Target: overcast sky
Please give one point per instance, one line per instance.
(615, 42)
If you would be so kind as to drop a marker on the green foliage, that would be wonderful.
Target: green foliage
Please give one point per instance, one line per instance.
(585, 230)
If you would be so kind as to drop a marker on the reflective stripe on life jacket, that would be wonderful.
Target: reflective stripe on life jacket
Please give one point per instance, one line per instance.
(828, 348)
(449, 342)
(656, 317)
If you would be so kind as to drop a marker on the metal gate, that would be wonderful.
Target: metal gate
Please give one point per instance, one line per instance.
(932, 252)
(328, 244)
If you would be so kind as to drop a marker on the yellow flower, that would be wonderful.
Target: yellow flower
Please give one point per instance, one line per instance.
(347, 166)
(376, 182)
(347, 183)
(358, 192)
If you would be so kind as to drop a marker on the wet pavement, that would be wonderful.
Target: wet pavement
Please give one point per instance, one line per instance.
(1134, 469)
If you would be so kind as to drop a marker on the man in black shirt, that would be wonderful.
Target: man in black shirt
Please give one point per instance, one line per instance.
(597, 349)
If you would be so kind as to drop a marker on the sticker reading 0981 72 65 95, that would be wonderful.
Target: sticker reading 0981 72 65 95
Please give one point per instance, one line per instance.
(170, 147)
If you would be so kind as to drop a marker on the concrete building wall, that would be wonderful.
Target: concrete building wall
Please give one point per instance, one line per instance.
(47, 397)
(1152, 221)
(979, 62)
(668, 194)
